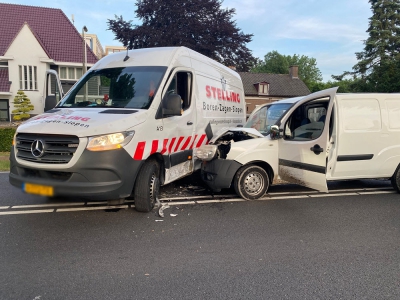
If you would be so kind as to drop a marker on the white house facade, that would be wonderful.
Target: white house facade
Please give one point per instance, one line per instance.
(37, 40)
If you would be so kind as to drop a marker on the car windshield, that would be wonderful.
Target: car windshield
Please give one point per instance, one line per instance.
(267, 116)
(130, 87)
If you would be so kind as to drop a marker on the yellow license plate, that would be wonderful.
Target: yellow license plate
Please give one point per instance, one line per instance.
(38, 189)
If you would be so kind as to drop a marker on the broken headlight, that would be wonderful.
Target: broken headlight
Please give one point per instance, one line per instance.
(205, 152)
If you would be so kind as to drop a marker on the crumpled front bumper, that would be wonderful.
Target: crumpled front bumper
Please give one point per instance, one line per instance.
(218, 173)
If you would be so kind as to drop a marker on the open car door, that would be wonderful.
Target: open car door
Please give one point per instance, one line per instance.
(305, 132)
(53, 90)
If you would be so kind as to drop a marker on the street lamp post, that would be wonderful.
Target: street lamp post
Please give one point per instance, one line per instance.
(84, 69)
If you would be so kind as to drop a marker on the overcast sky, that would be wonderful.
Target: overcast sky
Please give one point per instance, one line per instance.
(329, 31)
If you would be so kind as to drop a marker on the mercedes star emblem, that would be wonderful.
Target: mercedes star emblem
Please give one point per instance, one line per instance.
(37, 148)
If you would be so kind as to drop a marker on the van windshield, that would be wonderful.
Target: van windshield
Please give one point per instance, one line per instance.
(267, 116)
(129, 87)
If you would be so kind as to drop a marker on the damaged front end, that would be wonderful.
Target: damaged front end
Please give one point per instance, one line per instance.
(219, 165)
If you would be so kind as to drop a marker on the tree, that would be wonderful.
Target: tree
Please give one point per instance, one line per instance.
(277, 63)
(274, 63)
(351, 85)
(378, 67)
(23, 105)
(201, 25)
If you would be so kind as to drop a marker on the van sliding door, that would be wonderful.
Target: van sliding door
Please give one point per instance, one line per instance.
(303, 148)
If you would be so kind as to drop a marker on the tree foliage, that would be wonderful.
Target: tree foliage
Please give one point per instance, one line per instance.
(276, 63)
(201, 25)
(22, 106)
(378, 66)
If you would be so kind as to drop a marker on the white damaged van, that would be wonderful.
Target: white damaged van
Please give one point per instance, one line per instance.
(128, 126)
(321, 137)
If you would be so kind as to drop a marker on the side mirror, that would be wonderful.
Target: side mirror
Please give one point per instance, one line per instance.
(275, 132)
(50, 102)
(172, 105)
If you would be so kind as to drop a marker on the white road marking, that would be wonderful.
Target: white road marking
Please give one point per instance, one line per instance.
(285, 197)
(334, 195)
(91, 208)
(197, 197)
(377, 192)
(219, 201)
(80, 206)
(233, 200)
(22, 212)
(181, 203)
(48, 205)
(283, 193)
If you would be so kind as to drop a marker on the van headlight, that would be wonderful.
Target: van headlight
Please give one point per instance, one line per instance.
(205, 152)
(109, 141)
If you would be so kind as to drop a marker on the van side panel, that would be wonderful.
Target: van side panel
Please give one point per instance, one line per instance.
(392, 106)
(219, 96)
(366, 146)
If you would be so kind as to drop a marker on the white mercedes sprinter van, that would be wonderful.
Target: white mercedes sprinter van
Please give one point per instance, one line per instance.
(320, 137)
(128, 126)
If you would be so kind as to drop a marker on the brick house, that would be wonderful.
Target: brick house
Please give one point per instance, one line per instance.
(261, 88)
(33, 40)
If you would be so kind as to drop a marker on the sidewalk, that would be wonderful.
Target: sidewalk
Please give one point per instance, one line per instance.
(8, 124)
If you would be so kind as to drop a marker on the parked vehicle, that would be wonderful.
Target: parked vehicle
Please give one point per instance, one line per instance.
(322, 137)
(127, 127)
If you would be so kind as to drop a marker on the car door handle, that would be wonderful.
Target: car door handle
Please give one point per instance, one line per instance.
(317, 149)
(189, 123)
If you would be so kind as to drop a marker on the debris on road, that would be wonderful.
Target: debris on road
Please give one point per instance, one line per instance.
(161, 210)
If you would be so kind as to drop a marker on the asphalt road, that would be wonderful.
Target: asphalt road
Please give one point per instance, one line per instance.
(294, 244)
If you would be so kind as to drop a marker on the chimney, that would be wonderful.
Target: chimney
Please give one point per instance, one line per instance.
(294, 72)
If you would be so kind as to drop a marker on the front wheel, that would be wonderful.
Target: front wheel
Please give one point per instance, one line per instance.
(147, 186)
(251, 182)
(396, 179)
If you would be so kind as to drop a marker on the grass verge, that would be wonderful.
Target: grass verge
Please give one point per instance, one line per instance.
(4, 161)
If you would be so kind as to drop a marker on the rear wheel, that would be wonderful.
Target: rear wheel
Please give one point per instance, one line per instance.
(251, 182)
(396, 179)
(147, 186)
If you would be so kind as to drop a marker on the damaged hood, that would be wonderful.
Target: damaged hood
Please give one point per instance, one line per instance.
(250, 131)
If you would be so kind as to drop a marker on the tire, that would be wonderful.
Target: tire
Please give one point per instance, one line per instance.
(251, 182)
(147, 186)
(396, 179)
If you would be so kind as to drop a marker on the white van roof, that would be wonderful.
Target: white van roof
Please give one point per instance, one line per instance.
(157, 56)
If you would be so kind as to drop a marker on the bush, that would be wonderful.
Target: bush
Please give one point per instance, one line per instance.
(22, 106)
(6, 137)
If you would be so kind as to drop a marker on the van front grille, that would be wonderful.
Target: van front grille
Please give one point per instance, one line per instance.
(46, 148)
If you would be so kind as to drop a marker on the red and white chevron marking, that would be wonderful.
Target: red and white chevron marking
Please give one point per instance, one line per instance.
(167, 146)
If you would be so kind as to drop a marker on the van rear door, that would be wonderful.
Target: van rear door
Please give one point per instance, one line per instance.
(305, 136)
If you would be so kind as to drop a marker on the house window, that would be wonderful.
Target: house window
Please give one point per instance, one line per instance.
(70, 73)
(263, 88)
(4, 110)
(27, 78)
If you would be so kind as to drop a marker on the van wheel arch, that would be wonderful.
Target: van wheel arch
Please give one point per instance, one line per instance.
(266, 167)
(147, 185)
(395, 180)
(251, 181)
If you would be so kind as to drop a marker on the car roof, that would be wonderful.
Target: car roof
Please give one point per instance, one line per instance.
(284, 101)
(288, 100)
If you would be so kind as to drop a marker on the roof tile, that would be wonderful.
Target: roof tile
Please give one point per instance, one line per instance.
(280, 85)
(51, 27)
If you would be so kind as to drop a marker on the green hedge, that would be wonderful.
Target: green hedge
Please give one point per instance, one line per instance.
(6, 137)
